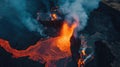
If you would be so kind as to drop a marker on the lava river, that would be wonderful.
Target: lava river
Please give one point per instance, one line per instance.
(52, 49)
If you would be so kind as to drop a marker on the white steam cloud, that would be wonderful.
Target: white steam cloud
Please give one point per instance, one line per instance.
(79, 9)
(73, 8)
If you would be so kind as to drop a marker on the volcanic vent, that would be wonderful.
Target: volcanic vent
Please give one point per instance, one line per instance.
(60, 28)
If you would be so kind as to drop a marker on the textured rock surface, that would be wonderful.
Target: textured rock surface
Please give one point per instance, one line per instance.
(113, 3)
(105, 20)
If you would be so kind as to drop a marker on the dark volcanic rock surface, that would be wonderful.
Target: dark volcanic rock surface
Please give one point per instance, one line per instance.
(106, 21)
(113, 3)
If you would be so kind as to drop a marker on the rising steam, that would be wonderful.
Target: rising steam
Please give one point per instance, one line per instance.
(79, 9)
(71, 8)
(56, 48)
(18, 9)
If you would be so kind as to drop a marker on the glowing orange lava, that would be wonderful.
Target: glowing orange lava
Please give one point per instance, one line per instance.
(54, 16)
(81, 63)
(46, 51)
(83, 52)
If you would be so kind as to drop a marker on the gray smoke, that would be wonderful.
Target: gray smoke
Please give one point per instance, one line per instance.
(13, 9)
(79, 9)
(25, 17)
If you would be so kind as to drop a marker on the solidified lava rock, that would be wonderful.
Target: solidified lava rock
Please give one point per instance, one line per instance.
(104, 20)
(103, 55)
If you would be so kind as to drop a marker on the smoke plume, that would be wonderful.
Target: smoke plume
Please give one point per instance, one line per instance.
(16, 12)
(71, 8)
(79, 9)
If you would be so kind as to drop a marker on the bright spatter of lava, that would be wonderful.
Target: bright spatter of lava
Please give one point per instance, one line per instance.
(46, 51)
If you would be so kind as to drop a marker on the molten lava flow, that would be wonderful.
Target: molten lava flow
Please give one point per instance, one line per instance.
(81, 63)
(46, 51)
(83, 55)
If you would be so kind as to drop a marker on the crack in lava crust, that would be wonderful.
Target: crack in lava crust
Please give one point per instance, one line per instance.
(52, 49)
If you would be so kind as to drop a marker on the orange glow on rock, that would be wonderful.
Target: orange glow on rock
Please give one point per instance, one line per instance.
(80, 63)
(54, 16)
(83, 52)
(47, 51)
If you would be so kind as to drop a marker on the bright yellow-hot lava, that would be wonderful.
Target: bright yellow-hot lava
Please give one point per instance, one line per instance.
(65, 35)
